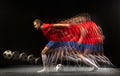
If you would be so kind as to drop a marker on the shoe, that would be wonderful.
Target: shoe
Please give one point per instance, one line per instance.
(43, 70)
(94, 69)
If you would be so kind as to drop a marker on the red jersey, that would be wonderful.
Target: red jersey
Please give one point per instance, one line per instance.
(73, 33)
(61, 34)
(93, 35)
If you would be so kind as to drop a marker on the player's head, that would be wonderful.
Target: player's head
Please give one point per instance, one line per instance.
(84, 16)
(37, 23)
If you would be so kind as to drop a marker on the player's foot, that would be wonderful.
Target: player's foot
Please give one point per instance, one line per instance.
(43, 70)
(94, 69)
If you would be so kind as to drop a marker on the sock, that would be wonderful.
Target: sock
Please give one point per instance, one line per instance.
(90, 62)
(44, 60)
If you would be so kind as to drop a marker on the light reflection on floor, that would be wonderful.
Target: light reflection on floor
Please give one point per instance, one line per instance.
(76, 71)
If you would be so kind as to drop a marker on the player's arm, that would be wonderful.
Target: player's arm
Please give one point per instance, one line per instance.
(61, 25)
(83, 34)
(54, 25)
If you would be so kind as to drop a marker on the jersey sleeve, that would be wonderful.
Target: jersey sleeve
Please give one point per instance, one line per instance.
(46, 29)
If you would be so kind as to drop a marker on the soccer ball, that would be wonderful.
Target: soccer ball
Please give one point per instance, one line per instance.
(23, 56)
(31, 58)
(59, 68)
(7, 54)
(15, 55)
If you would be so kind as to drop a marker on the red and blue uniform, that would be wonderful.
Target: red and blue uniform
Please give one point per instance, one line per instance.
(93, 40)
(69, 36)
(61, 36)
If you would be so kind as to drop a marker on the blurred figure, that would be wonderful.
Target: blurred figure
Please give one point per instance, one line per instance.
(91, 38)
(61, 37)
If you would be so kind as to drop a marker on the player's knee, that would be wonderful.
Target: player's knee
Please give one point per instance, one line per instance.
(43, 52)
(86, 52)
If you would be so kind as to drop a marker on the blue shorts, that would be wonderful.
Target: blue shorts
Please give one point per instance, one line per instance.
(94, 48)
(52, 44)
(75, 45)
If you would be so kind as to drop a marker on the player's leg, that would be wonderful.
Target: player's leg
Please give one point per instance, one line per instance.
(86, 52)
(44, 60)
(71, 58)
(87, 61)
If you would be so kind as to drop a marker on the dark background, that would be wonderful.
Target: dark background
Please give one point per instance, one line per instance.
(18, 34)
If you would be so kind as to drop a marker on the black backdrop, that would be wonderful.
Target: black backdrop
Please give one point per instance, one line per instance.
(17, 32)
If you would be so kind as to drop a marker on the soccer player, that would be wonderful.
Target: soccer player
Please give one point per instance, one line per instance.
(60, 35)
